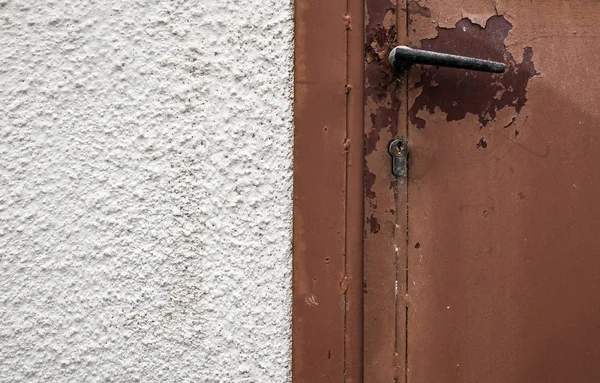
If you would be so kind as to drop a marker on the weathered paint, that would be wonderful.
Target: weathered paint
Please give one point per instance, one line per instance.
(381, 90)
(503, 264)
(385, 236)
(459, 92)
(415, 8)
(488, 212)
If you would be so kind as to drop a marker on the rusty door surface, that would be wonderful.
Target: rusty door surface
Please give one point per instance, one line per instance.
(482, 264)
(503, 243)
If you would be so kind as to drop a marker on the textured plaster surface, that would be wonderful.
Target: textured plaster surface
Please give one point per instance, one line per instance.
(145, 190)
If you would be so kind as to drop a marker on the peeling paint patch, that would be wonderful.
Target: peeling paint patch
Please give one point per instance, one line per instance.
(482, 143)
(369, 182)
(373, 224)
(415, 8)
(458, 92)
(380, 90)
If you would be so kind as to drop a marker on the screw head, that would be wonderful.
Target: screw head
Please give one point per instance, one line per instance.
(398, 147)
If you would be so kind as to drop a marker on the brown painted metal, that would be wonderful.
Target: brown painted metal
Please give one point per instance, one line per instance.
(319, 192)
(354, 194)
(504, 186)
(402, 299)
(385, 199)
(328, 192)
(497, 260)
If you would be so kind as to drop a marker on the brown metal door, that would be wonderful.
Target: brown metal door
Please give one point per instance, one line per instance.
(503, 276)
(483, 264)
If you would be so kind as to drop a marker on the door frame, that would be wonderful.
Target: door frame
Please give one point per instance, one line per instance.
(327, 320)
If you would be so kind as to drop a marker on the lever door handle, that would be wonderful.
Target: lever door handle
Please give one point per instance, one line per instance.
(402, 57)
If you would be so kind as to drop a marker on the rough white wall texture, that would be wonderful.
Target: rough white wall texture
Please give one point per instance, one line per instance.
(145, 190)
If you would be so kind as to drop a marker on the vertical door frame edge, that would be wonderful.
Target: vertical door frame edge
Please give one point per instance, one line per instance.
(328, 197)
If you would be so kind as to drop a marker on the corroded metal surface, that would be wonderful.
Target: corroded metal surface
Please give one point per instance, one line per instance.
(504, 180)
(385, 233)
(458, 92)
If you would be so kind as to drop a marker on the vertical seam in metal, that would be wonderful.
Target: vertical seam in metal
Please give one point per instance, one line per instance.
(396, 292)
(406, 31)
(401, 196)
(354, 214)
(346, 205)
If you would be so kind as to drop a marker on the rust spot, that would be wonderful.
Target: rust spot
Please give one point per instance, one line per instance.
(482, 143)
(482, 94)
(373, 224)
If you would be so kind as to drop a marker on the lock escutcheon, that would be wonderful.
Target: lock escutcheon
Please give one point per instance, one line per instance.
(398, 150)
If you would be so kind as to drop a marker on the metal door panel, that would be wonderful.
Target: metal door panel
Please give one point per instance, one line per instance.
(504, 214)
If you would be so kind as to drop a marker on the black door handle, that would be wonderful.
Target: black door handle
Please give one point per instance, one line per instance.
(402, 57)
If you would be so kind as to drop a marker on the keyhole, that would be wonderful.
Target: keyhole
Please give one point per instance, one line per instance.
(398, 147)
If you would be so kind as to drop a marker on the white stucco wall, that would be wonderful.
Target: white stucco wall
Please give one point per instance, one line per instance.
(145, 190)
